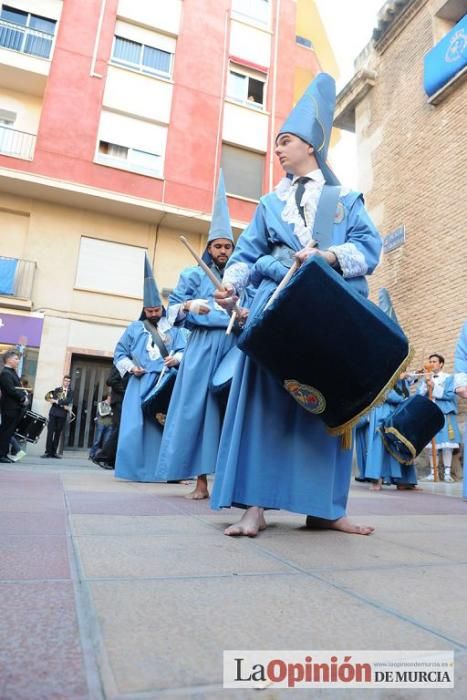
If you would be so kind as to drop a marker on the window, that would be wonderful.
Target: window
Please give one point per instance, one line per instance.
(25, 32)
(146, 59)
(131, 144)
(110, 268)
(140, 160)
(243, 172)
(256, 10)
(246, 89)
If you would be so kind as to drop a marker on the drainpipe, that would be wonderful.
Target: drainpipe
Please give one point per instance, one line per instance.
(93, 73)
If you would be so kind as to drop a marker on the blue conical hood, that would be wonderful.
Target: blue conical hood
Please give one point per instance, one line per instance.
(311, 120)
(220, 224)
(151, 296)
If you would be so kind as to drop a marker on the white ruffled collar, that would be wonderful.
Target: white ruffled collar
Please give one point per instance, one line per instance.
(285, 191)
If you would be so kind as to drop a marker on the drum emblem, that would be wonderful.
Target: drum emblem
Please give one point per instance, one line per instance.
(307, 396)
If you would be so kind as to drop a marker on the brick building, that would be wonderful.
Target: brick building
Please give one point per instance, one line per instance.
(412, 164)
(114, 122)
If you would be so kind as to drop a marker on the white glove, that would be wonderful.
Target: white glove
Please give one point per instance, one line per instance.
(199, 306)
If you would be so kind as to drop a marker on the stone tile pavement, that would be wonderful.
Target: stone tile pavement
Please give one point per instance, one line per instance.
(122, 591)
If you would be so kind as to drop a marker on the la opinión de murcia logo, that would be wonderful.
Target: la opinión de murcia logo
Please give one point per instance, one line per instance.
(295, 669)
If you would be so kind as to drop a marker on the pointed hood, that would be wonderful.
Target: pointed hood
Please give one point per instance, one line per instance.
(385, 304)
(220, 223)
(311, 120)
(151, 296)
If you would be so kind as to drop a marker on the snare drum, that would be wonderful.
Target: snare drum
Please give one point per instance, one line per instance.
(30, 426)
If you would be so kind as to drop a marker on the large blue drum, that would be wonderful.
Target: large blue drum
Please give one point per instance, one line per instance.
(156, 404)
(334, 351)
(411, 427)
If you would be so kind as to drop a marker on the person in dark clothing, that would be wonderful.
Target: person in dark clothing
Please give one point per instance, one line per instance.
(61, 399)
(105, 457)
(14, 402)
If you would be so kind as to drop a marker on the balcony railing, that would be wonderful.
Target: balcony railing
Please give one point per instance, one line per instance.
(25, 39)
(18, 144)
(16, 277)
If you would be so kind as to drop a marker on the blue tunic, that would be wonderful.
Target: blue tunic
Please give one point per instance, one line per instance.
(380, 464)
(194, 420)
(361, 445)
(444, 396)
(140, 438)
(272, 452)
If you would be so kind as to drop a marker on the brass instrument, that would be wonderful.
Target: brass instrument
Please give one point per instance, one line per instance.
(59, 396)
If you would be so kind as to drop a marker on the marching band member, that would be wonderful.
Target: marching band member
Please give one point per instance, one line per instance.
(193, 427)
(146, 347)
(13, 402)
(61, 399)
(273, 453)
(444, 396)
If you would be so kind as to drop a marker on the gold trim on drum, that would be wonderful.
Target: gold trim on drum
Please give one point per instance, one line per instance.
(307, 396)
(403, 439)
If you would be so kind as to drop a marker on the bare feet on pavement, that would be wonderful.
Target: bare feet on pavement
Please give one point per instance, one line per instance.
(251, 522)
(342, 524)
(200, 491)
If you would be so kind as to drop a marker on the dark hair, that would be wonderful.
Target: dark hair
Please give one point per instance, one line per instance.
(10, 353)
(436, 354)
(67, 376)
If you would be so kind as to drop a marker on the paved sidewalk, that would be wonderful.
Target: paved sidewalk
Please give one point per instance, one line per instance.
(128, 591)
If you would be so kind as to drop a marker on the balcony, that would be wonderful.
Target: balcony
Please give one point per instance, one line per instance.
(16, 280)
(25, 39)
(17, 144)
(24, 57)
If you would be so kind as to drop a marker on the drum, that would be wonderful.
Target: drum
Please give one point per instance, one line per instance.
(335, 352)
(156, 404)
(30, 426)
(411, 427)
(222, 377)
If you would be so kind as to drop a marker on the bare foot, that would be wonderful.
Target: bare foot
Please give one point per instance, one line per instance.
(251, 522)
(342, 524)
(408, 487)
(375, 486)
(201, 489)
(197, 495)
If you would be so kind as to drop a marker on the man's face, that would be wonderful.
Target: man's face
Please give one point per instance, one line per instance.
(220, 251)
(436, 365)
(294, 154)
(66, 382)
(13, 362)
(153, 314)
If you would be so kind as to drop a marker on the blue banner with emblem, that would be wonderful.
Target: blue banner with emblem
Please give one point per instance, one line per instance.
(446, 59)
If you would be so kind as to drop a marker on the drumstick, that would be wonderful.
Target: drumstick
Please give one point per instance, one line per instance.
(285, 280)
(213, 279)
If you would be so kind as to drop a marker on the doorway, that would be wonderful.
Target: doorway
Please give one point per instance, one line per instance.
(88, 375)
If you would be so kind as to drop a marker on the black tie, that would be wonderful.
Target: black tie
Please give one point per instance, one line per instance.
(300, 182)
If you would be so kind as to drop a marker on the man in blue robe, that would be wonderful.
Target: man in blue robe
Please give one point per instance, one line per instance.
(146, 347)
(193, 426)
(273, 453)
(444, 395)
